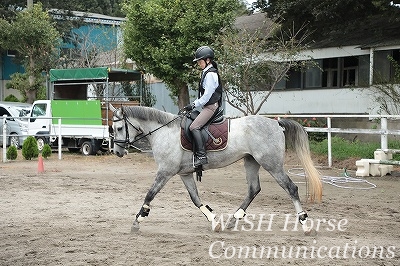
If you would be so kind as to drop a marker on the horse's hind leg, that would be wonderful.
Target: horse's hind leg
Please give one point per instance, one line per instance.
(159, 183)
(253, 184)
(287, 184)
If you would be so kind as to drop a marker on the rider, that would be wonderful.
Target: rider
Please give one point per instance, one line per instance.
(209, 99)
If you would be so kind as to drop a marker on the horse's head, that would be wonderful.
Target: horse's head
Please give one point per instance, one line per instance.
(124, 131)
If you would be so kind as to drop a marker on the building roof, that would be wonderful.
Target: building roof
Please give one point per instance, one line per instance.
(252, 22)
(87, 17)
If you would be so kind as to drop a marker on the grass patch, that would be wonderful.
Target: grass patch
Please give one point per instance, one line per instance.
(343, 149)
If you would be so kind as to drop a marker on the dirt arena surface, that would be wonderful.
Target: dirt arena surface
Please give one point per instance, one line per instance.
(80, 210)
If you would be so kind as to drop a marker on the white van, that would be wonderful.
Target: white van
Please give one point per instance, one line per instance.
(16, 122)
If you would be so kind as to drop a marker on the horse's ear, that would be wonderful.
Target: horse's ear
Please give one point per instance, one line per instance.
(112, 108)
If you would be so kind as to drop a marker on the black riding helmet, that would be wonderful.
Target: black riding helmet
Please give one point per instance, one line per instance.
(203, 52)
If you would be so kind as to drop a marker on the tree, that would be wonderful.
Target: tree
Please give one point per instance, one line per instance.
(325, 17)
(161, 36)
(254, 61)
(91, 46)
(9, 8)
(33, 36)
(20, 81)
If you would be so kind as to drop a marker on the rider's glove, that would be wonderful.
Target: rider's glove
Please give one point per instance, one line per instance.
(189, 107)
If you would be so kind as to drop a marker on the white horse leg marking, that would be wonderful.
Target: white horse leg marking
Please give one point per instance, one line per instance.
(191, 187)
(207, 211)
(253, 188)
(239, 214)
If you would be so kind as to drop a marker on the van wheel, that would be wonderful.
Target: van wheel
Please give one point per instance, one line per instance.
(41, 141)
(87, 148)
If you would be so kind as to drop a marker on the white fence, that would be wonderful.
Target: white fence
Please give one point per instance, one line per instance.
(384, 132)
(57, 129)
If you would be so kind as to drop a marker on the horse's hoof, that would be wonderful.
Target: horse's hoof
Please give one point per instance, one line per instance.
(217, 228)
(311, 232)
(231, 224)
(135, 228)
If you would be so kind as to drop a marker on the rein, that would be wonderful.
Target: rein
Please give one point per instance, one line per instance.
(142, 135)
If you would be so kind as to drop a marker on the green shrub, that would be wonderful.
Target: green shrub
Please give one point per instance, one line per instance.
(314, 122)
(46, 152)
(12, 153)
(11, 98)
(30, 149)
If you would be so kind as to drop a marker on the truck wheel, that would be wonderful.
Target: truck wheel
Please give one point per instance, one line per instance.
(87, 148)
(41, 141)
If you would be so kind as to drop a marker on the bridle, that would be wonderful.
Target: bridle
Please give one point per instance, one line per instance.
(127, 122)
(141, 133)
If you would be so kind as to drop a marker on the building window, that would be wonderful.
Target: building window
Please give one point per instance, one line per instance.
(396, 59)
(11, 53)
(343, 72)
(294, 79)
(330, 72)
(313, 75)
(363, 71)
(350, 71)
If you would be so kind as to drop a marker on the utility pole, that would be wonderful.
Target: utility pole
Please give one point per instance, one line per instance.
(29, 3)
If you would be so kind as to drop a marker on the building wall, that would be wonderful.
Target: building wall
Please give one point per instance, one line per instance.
(326, 101)
(101, 31)
(163, 101)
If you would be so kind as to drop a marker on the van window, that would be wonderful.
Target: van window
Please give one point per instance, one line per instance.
(3, 111)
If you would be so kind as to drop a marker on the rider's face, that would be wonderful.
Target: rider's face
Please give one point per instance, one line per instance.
(202, 63)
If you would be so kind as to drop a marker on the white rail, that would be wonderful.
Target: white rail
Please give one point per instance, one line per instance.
(383, 131)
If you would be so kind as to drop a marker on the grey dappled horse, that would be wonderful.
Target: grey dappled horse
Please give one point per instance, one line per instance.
(258, 140)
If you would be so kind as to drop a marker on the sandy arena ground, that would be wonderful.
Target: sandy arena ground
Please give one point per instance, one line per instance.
(80, 210)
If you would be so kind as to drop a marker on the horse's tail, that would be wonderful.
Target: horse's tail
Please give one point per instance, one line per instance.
(297, 137)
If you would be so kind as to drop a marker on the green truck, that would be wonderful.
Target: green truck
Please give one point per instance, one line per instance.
(73, 124)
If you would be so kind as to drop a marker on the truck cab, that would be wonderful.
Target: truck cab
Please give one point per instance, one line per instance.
(40, 118)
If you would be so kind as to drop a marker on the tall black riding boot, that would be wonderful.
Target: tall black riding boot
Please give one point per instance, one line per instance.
(200, 155)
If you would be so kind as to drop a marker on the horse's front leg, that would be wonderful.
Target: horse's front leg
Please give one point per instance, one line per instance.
(191, 187)
(159, 182)
(253, 185)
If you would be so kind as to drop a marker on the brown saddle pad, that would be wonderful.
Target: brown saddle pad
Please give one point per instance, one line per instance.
(219, 131)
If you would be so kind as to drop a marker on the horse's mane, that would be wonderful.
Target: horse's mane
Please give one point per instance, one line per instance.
(151, 114)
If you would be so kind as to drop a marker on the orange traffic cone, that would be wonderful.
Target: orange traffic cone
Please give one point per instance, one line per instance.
(40, 165)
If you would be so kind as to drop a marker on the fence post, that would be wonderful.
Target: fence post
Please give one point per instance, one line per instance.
(384, 141)
(59, 139)
(329, 125)
(4, 139)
